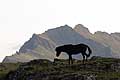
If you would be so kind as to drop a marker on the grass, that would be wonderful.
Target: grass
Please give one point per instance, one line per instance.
(101, 67)
(5, 68)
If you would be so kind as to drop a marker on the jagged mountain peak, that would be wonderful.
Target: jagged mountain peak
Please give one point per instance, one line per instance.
(116, 33)
(82, 30)
(64, 27)
(81, 27)
(101, 32)
(35, 36)
(61, 28)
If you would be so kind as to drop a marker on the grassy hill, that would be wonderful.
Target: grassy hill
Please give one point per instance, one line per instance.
(97, 68)
(5, 68)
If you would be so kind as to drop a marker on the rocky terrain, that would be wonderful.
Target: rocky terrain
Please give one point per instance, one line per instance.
(42, 46)
(97, 68)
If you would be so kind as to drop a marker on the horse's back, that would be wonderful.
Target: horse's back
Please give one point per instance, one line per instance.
(73, 48)
(64, 47)
(83, 45)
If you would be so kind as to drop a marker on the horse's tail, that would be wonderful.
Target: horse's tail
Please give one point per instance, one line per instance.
(90, 52)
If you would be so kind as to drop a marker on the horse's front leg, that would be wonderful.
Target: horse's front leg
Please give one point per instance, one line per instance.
(86, 59)
(83, 59)
(70, 59)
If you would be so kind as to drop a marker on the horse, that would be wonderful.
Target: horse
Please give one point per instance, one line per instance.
(73, 50)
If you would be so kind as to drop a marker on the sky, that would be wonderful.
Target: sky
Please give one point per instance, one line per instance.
(19, 19)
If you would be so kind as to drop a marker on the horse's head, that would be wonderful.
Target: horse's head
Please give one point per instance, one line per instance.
(58, 51)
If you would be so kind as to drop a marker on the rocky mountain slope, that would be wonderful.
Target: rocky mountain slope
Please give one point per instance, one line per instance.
(42, 46)
(97, 68)
(111, 40)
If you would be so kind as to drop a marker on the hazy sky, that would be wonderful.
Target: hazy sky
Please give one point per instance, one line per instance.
(19, 19)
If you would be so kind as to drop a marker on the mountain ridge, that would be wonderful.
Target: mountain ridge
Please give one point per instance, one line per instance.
(43, 45)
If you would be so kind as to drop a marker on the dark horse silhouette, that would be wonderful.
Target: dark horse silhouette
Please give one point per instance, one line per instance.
(74, 49)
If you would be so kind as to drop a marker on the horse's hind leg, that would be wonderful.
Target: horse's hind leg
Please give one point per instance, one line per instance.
(83, 58)
(70, 59)
(86, 58)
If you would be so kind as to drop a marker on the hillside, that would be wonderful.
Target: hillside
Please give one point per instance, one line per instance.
(42, 46)
(97, 68)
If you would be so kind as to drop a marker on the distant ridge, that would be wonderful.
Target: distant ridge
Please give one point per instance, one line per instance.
(41, 46)
(110, 40)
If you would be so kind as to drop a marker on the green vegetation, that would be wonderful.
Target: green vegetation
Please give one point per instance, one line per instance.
(5, 68)
(97, 67)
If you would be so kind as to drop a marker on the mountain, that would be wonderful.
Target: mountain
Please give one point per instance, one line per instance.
(111, 40)
(83, 31)
(42, 46)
